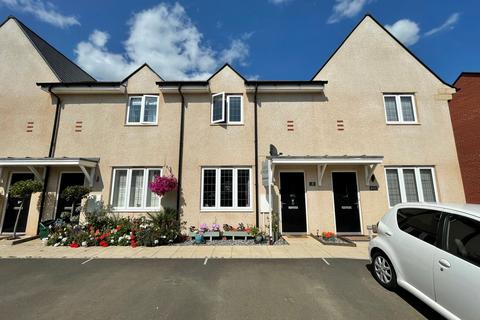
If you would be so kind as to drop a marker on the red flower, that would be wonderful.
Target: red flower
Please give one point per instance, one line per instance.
(118, 228)
(74, 245)
(133, 243)
(103, 243)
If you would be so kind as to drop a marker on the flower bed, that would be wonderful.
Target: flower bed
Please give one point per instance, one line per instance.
(331, 239)
(105, 230)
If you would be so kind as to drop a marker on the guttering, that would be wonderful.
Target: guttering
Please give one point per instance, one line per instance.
(255, 116)
(285, 86)
(83, 87)
(180, 151)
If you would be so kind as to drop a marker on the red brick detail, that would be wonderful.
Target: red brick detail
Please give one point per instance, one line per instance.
(340, 125)
(465, 115)
(290, 125)
(29, 126)
(78, 126)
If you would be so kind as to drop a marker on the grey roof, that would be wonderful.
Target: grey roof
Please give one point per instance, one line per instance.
(65, 69)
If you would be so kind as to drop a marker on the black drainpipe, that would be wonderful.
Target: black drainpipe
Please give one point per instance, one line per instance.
(256, 157)
(180, 151)
(51, 151)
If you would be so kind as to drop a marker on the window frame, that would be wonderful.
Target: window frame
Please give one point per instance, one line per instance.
(228, 121)
(142, 111)
(126, 207)
(217, 206)
(418, 181)
(222, 94)
(398, 102)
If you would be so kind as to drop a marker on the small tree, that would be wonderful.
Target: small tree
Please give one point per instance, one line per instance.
(74, 194)
(23, 189)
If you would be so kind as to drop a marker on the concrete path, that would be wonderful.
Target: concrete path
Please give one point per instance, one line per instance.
(298, 248)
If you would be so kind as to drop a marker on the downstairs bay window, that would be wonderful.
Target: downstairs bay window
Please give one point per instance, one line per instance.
(226, 189)
(130, 190)
(410, 184)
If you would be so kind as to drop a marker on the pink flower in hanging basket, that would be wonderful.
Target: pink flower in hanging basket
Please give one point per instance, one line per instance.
(162, 185)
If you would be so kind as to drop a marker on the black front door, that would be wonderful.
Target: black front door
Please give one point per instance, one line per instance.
(13, 205)
(292, 193)
(347, 215)
(68, 180)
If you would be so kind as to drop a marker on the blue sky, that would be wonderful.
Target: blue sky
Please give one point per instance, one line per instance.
(264, 39)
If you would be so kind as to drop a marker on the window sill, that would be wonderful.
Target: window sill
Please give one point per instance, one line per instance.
(136, 210)
(403, 123)
(246, 210)
(141, 124)
(227, 124)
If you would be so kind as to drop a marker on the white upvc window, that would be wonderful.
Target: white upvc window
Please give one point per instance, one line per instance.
(226, 108)
(410, 184)
(226, 189)
(400, 108)
(142, 110)
(130, 190)
(218, 108)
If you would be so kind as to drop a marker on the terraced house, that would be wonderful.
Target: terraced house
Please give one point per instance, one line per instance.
(369, 130)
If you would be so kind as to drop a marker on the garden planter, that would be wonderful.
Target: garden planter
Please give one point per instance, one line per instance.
(199, 239)
(207, 235)
(237, 234)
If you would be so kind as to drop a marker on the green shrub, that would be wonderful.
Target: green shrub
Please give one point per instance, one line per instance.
(23, 189)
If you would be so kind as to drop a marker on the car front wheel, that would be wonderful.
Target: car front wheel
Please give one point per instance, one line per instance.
(383, 271)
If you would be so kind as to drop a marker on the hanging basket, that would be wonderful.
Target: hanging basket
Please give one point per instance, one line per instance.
(162, 185)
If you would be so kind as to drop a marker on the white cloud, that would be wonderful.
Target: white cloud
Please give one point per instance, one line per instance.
(43, 10)
(405, 30)
(447, 25)
(165, 38)
(346, 9)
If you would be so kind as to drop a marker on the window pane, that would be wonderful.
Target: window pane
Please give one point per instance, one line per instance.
(410, 185)
(150, 111)
(226, 188)
(391, 109)
(464, 238)
(234, 109)
(407, 109)
(427, 185)
(119, 188)
(209, 187)
(136, 189)
(420, 223)
(134, 109)
(217, 108)
(243, 189)
(152, 199)
(393, 187)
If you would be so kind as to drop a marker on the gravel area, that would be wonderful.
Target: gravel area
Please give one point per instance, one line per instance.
(230, 242)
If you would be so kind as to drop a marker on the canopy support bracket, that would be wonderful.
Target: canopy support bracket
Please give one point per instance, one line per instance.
(88, 175)
(320, 172)
(37, 175)
(369, 169)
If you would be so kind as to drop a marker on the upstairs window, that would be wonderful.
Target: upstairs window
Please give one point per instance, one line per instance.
(227, 108)
(142, 110)
(400, 108)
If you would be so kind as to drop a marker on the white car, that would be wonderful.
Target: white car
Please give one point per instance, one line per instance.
(432, 251)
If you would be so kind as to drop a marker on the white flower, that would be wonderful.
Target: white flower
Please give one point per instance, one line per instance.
(60, 238)
(112, 241)
(64, 240)
(84, 243)
(156, 241)
(56, 244)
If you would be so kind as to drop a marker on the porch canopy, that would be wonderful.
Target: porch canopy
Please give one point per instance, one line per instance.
(86, 165)
(369, 162)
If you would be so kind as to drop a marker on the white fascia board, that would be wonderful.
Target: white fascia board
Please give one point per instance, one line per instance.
(328, 161)
(88, 90)
(48, 162)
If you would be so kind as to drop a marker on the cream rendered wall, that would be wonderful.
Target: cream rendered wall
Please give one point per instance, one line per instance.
(368, 64)
(21, 100)
(106, 136)
(215, 145)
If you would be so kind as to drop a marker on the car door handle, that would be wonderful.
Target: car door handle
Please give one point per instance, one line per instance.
(444, 263)
(388, 233)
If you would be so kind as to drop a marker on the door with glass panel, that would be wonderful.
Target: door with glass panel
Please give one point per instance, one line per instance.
(68, 179)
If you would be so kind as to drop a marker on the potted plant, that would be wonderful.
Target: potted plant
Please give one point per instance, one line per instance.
(23, 190)
(257, 234)
(328, 235)
(74, 195)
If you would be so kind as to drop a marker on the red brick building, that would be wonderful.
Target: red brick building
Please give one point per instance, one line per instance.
(465, 114)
